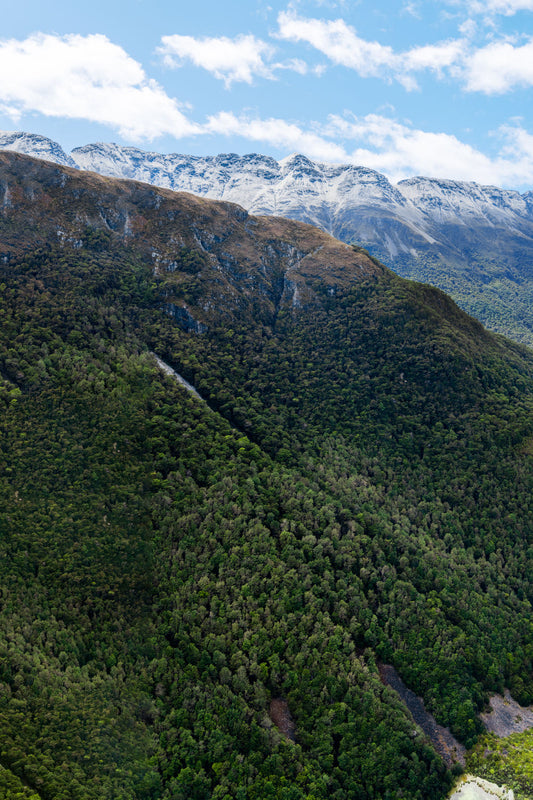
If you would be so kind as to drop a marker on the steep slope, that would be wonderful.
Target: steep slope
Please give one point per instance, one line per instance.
(241, 257)
(355, 487)
(475, 242)
(295, 187)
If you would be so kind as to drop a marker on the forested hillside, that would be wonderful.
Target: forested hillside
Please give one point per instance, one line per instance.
(355, 489)
(474, 242)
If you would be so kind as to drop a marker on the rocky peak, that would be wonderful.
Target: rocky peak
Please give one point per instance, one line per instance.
(34, 145)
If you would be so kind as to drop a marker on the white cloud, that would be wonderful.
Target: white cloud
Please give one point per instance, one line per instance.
(494, 68)
(89, 77)
(505, 7)
(434, 56)
(277, 133)
(499, 67)
(230, 60)
(295, 65)
(519, 143)
(412, 9)
(238, 59)
(341, 44)
(388, 146)
(338, 41)
(86, 77)
(401, 151)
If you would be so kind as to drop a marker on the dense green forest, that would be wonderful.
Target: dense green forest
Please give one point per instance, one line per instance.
(494, 286)
(355, 489)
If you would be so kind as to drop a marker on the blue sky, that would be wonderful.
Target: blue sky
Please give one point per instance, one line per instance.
(412, 87)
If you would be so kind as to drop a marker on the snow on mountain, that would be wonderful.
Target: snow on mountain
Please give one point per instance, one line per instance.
(33, 145)
(468, 239)
(448, 201)
(351, 202)
(295, 187)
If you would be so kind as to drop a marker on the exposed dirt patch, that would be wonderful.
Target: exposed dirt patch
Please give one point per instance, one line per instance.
(441, 738)
(281, 717)
(470, 787)
(506, 716)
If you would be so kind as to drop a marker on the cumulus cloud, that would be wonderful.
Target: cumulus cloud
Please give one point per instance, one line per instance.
(518, 142)
(231, 60)
(434, 56)
(499, 67)
(277, 133)
(388, 146)
(401, 151)
(86, 77)
(338, 41)
(239, 59)
(89, 77)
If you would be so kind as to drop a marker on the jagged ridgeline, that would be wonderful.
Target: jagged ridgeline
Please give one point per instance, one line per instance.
(475, 242)
(196, 594)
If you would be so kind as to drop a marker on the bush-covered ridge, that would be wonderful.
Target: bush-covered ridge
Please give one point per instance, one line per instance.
(358, 489)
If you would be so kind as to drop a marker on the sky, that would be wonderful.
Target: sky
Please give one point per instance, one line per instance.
(441, 88)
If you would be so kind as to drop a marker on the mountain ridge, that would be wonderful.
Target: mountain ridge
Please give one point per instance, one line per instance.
(355, 491)
(475, 242)
(408, 191)
(283, 257)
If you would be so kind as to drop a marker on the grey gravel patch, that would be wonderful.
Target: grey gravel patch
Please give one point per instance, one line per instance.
(177, 377)
(506, 716)
(441, 738)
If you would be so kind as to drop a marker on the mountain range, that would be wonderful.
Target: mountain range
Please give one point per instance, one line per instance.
(202, 593)
(475, 242)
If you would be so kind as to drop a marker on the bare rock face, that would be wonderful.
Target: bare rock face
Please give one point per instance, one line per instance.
(452, 751)
(280, 715)
(506, 716)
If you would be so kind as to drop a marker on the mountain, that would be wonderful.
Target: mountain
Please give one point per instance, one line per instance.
(247, 261)
(199, 592)
(34, 145)
(475, 242)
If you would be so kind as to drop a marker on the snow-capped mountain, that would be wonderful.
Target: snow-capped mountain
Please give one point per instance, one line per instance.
(31, 144)
(473, 241)
(353, 203)
(343, 199)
